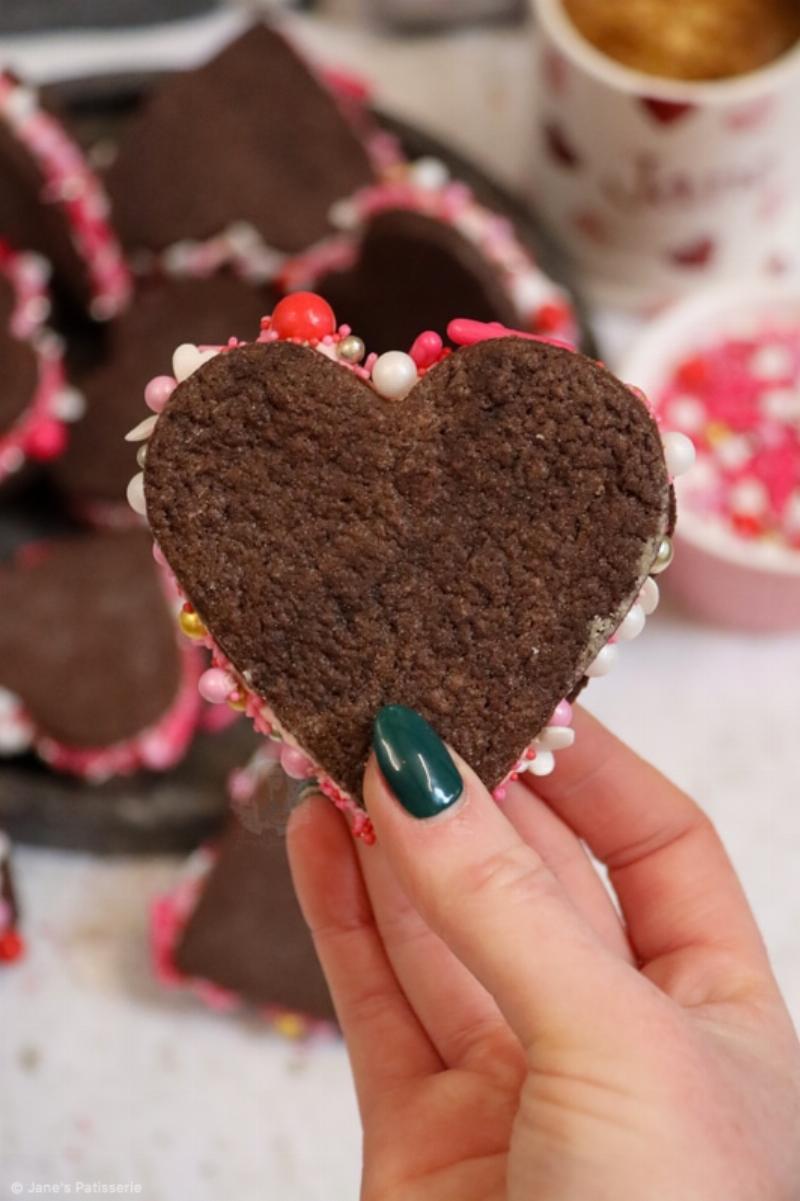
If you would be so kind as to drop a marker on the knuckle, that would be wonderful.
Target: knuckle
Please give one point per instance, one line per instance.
(515, 875)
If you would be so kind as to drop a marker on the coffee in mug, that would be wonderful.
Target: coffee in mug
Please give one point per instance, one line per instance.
(689, 39)
(667, 142)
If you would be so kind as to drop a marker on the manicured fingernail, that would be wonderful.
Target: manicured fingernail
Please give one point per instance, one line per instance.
(415, 762)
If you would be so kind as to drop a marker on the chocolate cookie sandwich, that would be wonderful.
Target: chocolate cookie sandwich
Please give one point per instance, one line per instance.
(251, 139)
(76, 688)
(466, 530)
(35, 402)
(164, 312)
(232, 930)
(52, 202)
(416, 249)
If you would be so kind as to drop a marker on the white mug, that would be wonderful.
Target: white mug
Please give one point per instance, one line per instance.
(656, 186)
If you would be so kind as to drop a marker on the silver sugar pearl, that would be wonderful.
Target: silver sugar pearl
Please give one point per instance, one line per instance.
(141, 454)
(663, 557)
(351, 349)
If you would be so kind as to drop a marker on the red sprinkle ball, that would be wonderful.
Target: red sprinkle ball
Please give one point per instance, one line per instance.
(739, 401)
(12, 946)
(304, 317)
(46, 441)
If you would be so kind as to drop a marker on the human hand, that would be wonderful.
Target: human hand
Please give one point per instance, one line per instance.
(511, 1038)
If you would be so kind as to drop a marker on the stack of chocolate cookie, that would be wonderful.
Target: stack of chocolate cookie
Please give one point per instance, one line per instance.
(226, 188)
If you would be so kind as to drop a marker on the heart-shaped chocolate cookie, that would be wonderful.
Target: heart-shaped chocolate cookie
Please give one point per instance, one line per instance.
(466, 550)
(419, 247)
(251, 136)
(52, 202)
(95, 469)
(434, 272)
(91, 674)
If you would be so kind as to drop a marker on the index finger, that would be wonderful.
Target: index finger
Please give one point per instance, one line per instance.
(674, 880)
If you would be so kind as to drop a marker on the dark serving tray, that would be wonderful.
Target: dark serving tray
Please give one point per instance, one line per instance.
(174, 812)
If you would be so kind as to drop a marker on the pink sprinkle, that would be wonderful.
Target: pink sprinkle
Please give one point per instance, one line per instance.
(426, 349)
(499, 794)
(296, 764)
(156, 751)
(465, 332)
(46, 440)
(739, 402)
(158, 392)
(562, 715)
(216, 686)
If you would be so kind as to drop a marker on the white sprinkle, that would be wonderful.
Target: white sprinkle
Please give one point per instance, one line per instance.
(649, 596)
(142, 431)
(686, 413)
(242, 237)
(555, 738)
(69, 405)
(603, 663)
(343, 215)
(749, 497)
(15, 737)
(543, 764)
(781, 404)
(36, 269)
(429, 173)
(9, 702)
(531, 290)
(733, 452)
(188, 357)
(135, 495)
(394, 374)
(773, 361)
(633, 624)
(178, 257)
(20, 104)
(679, 453)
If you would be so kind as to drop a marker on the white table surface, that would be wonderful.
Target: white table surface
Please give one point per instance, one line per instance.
(106, 1078)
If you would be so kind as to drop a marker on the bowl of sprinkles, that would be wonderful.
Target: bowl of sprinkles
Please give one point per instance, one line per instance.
(723, 368)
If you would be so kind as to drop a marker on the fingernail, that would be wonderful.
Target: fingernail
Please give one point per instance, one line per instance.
(415, 762)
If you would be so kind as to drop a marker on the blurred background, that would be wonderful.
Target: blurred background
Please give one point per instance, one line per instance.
(164, 1024)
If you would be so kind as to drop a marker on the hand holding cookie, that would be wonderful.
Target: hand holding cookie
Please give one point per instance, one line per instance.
(510, 1034)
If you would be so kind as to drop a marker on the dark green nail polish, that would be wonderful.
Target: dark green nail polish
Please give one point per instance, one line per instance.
(414, 761)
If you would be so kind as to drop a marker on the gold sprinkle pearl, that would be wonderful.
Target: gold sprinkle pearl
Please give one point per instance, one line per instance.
(664, 556)
(190, 623)
(290, 1025)
(351, 349)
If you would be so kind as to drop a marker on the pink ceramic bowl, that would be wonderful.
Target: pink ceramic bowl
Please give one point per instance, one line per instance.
(719, 576)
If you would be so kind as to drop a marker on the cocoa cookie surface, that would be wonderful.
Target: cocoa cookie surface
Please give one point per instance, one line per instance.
(52, 202)
(251, 136)
(163, 314)
(87, 641)
(414, 272)
(247, 933)
(466, 551)
(25, 221)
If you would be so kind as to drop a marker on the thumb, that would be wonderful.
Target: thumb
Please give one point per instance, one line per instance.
(484, 891)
